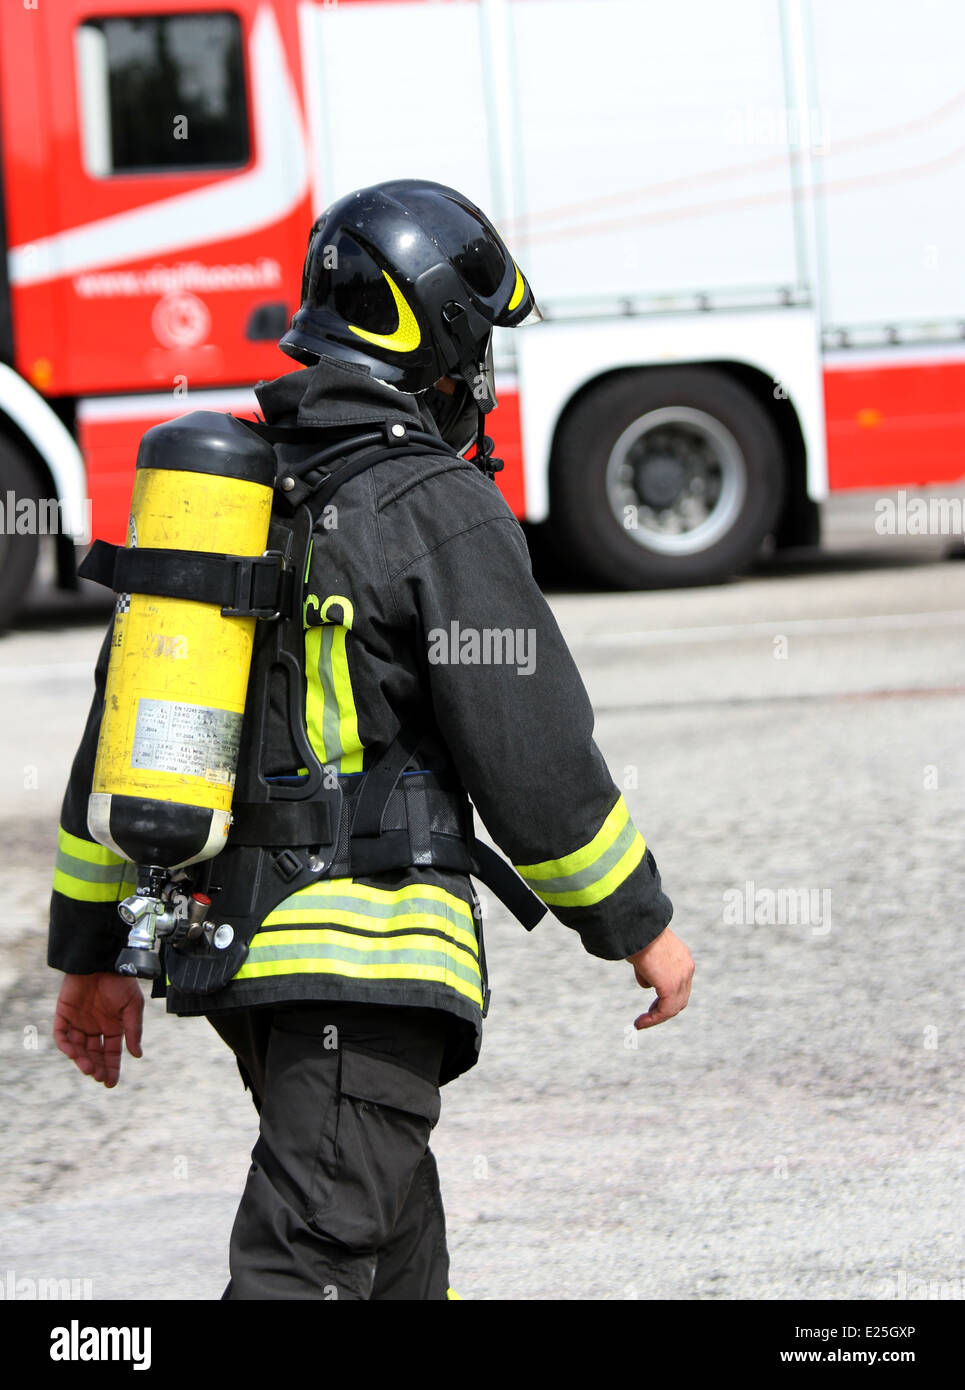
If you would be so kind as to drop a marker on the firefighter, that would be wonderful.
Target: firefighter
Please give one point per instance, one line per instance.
(362, 993)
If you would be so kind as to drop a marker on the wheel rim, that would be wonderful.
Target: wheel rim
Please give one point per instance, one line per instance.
(684, 476)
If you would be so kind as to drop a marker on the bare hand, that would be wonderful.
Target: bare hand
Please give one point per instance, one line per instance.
(667, 966)
(93, 1013)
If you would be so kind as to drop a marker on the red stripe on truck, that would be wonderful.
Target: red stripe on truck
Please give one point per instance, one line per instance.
(900, 425)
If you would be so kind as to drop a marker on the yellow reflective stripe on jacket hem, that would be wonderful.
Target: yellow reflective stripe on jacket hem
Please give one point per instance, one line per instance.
(418, 932)
(331, 952)
(593, 872)
(349, 917)
(346, 902)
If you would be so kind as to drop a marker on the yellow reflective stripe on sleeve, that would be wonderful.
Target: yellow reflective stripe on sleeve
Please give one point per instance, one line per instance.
(581, 858)
(85, 849)
(594, 872)
(88, 872)
(85, 892)
(603, 887)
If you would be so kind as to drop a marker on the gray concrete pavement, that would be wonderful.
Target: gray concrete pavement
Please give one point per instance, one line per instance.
(793, 747)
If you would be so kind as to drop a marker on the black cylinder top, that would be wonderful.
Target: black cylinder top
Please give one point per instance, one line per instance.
(208, 441)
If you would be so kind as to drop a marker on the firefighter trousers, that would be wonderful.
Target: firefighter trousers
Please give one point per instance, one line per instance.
(342, 1199)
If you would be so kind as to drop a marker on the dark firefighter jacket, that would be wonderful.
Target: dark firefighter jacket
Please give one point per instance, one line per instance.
(433, 607)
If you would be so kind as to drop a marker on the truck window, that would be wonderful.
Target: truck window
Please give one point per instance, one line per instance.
(161, 93)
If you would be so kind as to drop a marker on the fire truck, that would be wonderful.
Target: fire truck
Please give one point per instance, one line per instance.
(742, 223)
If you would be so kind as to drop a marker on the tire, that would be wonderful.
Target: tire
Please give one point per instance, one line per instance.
(18, 553)
(671, 476)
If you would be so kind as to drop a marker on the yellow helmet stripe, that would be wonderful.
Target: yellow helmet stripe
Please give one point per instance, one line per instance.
(518, 288)
(406, 337)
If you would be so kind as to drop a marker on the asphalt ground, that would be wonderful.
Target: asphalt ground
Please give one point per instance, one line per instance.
(792, 745)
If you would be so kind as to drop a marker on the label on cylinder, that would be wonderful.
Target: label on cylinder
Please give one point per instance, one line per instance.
(191, 740)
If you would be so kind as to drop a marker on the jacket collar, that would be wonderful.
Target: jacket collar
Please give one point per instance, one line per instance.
(338, 393)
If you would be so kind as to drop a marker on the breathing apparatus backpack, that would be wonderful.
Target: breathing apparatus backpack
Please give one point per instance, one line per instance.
(208, 642)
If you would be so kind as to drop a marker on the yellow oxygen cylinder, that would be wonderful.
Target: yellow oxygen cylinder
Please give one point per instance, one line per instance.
(178, 675)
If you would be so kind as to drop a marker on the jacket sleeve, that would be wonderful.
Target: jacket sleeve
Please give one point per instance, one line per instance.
(520, 732)
(86, 932)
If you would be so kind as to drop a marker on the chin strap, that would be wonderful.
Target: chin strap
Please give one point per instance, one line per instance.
(483, 457)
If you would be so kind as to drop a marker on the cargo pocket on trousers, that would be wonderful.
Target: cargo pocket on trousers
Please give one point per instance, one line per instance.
(385, 1115)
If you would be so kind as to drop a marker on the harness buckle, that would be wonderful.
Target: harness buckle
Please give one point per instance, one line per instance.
(288, 864)
(257, 578)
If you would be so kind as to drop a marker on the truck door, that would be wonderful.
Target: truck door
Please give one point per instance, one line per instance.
(179, 205)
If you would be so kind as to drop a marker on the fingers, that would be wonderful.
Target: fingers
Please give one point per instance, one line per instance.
(92, 1053)
(663, 1007)
(112, 1060)
(94, 1016)
(95, 1051)
(660, 1010)
(131, 1018)
(667, 966)
(72, 1042)
(60, 1034)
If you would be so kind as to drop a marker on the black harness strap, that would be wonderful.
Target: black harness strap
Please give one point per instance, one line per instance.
(272, 823)
(381, 778)
(391, 851)
(322, 492)
(355, 452)
(499, 875)
(243, 586)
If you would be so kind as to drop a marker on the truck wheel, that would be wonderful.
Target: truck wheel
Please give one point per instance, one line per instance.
(18, 553)
(666, 477)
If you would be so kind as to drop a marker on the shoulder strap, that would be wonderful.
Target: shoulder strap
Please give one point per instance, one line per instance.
(359, 461)
(351, 453)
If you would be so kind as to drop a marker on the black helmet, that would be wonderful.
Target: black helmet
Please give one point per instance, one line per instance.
(408, 278)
